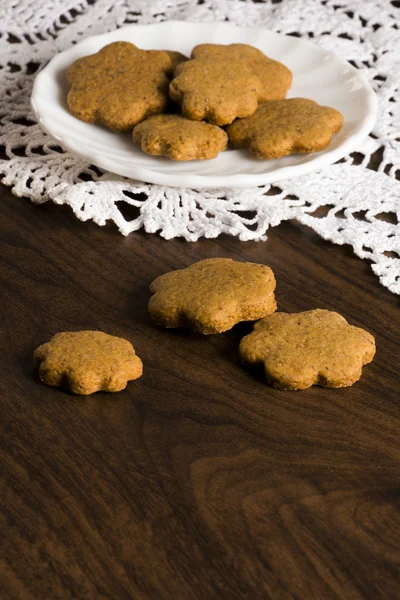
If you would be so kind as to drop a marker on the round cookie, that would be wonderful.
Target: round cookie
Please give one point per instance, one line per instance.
(315, 347)
(87, 361)
(120, 85)
(212, 295)
(283, 127)
(221, 83)
(178, 138)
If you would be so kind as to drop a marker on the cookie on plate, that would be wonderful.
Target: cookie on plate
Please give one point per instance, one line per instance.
(176, 59)
(315, 347)
(120, 85)
(212, 295)
(221, 83)
(87, 361)
(178, 138)
(280, 128)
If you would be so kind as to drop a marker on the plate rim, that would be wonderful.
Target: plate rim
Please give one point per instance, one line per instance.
(204, 181)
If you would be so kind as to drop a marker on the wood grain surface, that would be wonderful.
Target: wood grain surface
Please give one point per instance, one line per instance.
(198, 482)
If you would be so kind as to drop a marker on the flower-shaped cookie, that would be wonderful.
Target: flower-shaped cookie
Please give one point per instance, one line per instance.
(87, 361)
(316, 347)
(280, 128)
(120, 85)
(212, 295)
(222, 83)
(179, 138)
(176, 58)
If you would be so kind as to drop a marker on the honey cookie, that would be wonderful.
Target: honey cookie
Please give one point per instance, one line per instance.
(120, 85)
(212, 295)
(178, 138)
(87, 361)
(221, 83)
(316, 347)
(176, 59)
(280, 128)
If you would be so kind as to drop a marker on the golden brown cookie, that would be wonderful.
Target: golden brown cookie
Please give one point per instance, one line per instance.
(222, 83)
(120, 85)
(212, 295)
(87, 361)
(280, 128)
(316, 347)
(176, 58)
(179, 138)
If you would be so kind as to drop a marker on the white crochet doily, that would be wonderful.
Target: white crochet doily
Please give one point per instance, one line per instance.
(361, 206)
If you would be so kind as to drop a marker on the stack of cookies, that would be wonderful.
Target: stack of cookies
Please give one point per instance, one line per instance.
(191, 109)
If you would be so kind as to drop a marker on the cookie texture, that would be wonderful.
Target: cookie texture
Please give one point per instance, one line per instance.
(280, 128)
(316, 347)
(178, 138)
(176, 58)
(87, 361)
(120, 85)
(212, 295)
(221, 83)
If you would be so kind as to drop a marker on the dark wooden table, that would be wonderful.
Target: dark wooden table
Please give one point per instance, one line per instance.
(198, 481)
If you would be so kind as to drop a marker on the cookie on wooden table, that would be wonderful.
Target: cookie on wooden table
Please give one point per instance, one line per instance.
(284, 127)
(87, 361)
(120, 85)
(316, 347)
(178, 138)
(221, 83)
(212, 295)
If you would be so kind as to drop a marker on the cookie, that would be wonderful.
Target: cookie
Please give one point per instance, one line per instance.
(280, 128)
(212, 295)
(221, 83)
(316, 347)
(178, 138)
(87, 361)
(120, 85)
(176, 59)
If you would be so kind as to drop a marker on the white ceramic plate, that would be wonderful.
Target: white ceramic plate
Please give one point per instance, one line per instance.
(317, 74)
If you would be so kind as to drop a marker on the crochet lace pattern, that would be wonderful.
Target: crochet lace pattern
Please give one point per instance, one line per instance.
(355, 202)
